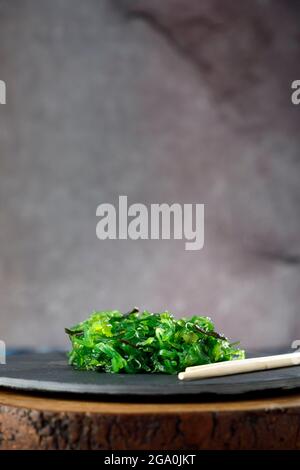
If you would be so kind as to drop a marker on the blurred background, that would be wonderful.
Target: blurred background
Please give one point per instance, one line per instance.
(163, 101)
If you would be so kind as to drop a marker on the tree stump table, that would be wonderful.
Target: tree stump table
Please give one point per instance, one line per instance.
(39, 422)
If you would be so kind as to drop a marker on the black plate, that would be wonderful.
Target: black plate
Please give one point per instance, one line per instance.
(50, 373)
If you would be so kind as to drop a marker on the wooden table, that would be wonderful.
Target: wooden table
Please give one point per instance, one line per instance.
(37, 422)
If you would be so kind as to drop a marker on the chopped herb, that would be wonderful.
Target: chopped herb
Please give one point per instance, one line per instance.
(144, 342)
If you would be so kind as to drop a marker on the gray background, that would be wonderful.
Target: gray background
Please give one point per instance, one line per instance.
(164, 101)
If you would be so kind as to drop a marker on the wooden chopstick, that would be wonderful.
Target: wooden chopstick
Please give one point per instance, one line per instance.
(240, 366)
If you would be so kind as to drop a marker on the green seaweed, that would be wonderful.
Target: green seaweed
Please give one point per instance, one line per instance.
(144, 342)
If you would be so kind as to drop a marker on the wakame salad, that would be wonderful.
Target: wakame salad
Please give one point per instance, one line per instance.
(144, 342)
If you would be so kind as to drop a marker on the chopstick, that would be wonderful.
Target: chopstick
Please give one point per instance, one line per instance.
(240, 366)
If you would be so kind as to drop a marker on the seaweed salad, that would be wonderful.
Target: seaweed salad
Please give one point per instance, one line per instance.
(145, 342)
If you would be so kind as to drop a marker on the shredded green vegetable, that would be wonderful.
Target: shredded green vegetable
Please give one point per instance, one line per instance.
(144, 342)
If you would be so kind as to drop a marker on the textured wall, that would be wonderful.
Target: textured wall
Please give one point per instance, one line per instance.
(169, 101)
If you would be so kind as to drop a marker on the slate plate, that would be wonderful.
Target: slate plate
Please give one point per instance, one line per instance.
(49, 372)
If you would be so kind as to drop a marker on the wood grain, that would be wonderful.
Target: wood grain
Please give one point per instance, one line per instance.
(36, 422)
